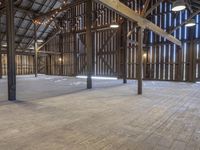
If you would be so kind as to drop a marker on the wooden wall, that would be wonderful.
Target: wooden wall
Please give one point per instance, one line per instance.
(162, 59)
(24, 64)
(106, 43)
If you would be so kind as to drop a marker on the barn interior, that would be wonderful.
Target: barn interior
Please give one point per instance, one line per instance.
(99, 74)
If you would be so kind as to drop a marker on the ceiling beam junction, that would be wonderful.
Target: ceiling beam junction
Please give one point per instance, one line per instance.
(130, 14)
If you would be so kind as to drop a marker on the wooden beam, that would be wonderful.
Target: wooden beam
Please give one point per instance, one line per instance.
(36, 50)
(1, 69)
(61, 50)
(58, 10)
(31, 52)
(103, 47)
(153, 7)
(17, 52)
(0, 52)
(189, 7)
(192, 56)
(48, 40)
(142, 22)
(146, 5)
(132, 31)
(89, 43)
(75, 55)
(11, 50)
(139, 59)
(124, 50)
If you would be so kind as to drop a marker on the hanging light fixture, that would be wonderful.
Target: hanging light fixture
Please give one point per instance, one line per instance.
(114, 25)
(190, 23)
(178, 5)
(4, 45)
(60, 59)
(145, 55)
(40, 41)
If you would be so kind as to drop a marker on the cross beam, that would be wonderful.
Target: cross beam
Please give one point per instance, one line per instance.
(48, 40)
(152, 8)
(142, 22)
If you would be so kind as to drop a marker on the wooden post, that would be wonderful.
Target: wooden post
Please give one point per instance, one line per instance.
(1, 69)
(89, 42)
(11, 50)
(123, 48)
(192, 58)
(0, 63)
(124, 51)
(21, 57)
(75, 55)
(145, 54)
(61, 56)
(36, 52)
(180, 63)
(194, 61)
(47, 67)
(139, 59)
(50, 65)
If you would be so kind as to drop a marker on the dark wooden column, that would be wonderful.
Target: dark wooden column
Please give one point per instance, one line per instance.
(36, 52)
(62, 55)
(11, 50)
(75, 55)
(61, 48)
(0, 52)
(139, 59)
(192, 57)
(75, 52)
(179, 74)
(0, 63)
(89, 42)
(124, 51)
(124, 47)
(21, 71)
(48, 64)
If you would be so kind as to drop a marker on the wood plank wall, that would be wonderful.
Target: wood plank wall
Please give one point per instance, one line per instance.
(106, 43)
(162, 59)
(24, 64)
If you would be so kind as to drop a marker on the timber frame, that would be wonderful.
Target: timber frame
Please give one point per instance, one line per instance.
(150, 44)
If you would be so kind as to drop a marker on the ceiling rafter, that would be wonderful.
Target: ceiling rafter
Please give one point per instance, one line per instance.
(58, 10)
(30, 42)
(20, 22)
(153, 7)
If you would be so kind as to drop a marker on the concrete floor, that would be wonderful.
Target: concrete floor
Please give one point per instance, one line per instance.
(58, 113)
